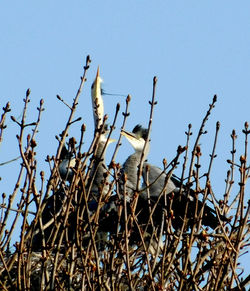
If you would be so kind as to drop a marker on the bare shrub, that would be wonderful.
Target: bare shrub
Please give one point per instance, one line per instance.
(85, 239)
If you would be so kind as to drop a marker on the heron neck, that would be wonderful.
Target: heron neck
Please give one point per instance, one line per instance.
(130, 167)
(98, 168)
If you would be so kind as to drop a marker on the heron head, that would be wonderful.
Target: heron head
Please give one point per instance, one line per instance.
(103, 139)
(137, 137)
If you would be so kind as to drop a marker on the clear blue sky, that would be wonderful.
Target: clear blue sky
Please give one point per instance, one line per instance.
(195, 48)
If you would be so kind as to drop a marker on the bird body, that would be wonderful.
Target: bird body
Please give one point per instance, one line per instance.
(67, 162)
(50, 216)
(156, 182)
(65, 169)
(155, 179)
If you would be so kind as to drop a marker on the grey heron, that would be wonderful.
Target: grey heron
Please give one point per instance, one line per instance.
(98, 185)
(156, 186)
(137, 138)
(54, 203)
(98, 169)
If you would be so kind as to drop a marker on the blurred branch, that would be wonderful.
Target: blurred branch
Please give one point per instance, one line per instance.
(6, 109)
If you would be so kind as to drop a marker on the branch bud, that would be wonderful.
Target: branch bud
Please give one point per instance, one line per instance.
(83, 128)
(128, 99)
(33, 143)
(242, 159)
(13, 118)
(28, 92)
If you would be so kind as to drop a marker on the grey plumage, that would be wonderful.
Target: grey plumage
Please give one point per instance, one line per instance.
(156, 180)
(67, 162)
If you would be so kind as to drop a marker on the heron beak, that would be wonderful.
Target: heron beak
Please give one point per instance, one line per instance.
(112, 140)
(131, 137)
(128, 135)
(96, 87)
(98, 72)
(103, 139)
